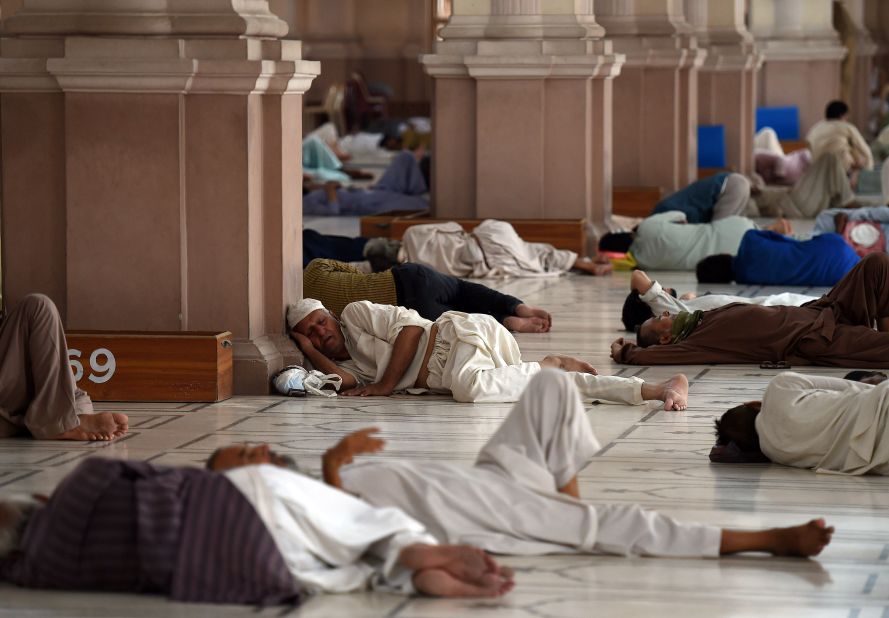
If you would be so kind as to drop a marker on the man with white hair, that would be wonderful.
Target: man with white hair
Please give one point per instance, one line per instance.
(380, 349)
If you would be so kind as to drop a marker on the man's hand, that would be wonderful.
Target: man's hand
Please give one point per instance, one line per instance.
(616, 348)
(640, 281)
(370, 390)
(360, 442)
(303, 342)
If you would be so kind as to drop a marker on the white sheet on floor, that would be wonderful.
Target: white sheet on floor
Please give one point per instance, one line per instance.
(659, 300)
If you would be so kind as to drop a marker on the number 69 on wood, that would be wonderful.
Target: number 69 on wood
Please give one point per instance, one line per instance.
(101, 371)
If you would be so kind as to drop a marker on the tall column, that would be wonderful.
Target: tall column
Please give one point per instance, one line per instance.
(727, 78)
(522, 111)
(656, 95)
(802, 55)
(876, 19)
(151, 169)
(855, 86)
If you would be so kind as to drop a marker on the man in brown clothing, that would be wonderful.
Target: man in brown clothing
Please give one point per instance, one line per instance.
(837, 329)
(37, 390)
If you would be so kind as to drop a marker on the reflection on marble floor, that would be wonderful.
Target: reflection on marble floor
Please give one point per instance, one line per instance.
(656, 458)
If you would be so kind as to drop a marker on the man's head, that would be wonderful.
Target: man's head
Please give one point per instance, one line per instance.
(14, 515)
(310, 319)
(836, 110)
(716, 269)
(655, 330)
(635, 311)
(738, 425)
(866, 377)
(616, 242)
(239, 455)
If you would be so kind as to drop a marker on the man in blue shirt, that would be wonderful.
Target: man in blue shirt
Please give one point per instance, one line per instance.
(717, 197)
(769, 258)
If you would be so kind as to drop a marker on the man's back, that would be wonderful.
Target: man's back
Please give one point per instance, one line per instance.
(825, 423)
(843, 138)
(664, 241)
(768, 258)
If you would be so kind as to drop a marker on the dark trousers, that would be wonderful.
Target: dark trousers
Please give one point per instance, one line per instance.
(342, 248)
(431, 293)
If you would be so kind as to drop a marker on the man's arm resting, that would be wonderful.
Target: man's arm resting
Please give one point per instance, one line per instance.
(322, 363)
(357, 443)
(403, 352)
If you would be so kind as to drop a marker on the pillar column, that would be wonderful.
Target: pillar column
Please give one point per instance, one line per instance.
(522, 111)
(876, 20)
(855, 86)
(727, 78)
(802, 55)
(655, 97)
(151, 169)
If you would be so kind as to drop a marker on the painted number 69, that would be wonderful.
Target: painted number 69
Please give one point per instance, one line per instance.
(101, 371)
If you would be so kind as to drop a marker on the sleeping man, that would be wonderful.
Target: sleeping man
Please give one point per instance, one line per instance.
(379, 349)
(532, 460)
(826, 424)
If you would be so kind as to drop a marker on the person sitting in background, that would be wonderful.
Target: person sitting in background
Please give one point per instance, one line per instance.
(768, 258)
(836, 135)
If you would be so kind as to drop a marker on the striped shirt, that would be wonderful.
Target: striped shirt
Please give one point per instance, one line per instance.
(336, 284)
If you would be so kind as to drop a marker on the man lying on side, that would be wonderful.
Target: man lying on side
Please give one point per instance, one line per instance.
(532, 460)
(837, 329)
(380, 349)
(260, 534)
(826, 424)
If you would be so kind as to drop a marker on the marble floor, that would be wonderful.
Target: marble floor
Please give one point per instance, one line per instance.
(655, 458)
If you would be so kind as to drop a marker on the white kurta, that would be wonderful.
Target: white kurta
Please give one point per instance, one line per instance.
(474, 358)
(659, 300)
(330, 541)
(829, 424)
(494, 249)
(666, 241)
(843, 139)
(508, 501)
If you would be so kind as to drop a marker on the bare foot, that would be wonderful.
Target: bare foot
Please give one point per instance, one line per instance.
(99, 426)
(568, 363)
(456, 571)
(526, 325)
(782, 226)
(803, 541)
(597, 269)
(526, 311)
(673, 392)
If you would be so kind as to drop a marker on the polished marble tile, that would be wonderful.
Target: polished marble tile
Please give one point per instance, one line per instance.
(650, 456)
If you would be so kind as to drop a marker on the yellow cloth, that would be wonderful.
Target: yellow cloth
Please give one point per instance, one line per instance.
(336, 284)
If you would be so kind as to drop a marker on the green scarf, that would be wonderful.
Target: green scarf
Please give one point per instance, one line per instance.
(684, 324)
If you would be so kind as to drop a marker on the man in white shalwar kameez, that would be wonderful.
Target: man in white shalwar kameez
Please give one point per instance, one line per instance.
(521, 496)
(380, 349)
(333, 542)
(493, 249)
(649, 298)
(827, 424)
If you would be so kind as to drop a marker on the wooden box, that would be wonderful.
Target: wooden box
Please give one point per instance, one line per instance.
(152, 366)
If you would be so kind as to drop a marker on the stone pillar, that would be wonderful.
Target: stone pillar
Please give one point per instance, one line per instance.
(727, 78)
(151, 169)
(802, 55)
(656, 95)
(876, 19)
(855, 86)
(522, 111)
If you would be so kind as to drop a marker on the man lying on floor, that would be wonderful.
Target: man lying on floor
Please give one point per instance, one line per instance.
(666, 241)
(709, 199)
(380, 349)
(493, 249)
(38, 395)
(847, 221)
(399, 189)
(260, 534)
(648, 298)
(420, 288)
(826, 424)
(532, 460)
(837, 329)
(767, 258)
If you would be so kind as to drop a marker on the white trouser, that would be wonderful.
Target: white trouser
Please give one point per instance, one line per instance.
(734, 197)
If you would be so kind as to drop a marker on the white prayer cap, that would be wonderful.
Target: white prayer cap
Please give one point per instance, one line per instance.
(298, 311)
